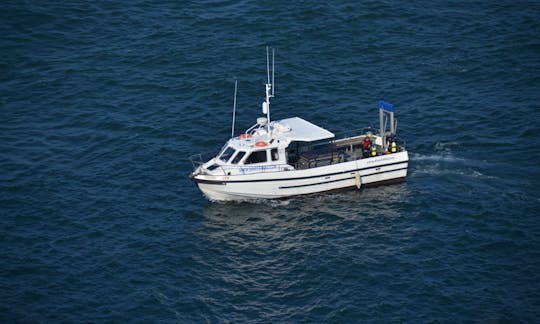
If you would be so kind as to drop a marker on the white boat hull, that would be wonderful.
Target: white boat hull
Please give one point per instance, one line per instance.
(281, 184)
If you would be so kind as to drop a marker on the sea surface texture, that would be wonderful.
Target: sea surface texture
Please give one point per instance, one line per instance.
(102, 103)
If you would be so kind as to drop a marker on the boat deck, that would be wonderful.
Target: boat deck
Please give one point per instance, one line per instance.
(334, 152)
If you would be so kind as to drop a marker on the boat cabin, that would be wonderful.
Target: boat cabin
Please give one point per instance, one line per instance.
(267, 147)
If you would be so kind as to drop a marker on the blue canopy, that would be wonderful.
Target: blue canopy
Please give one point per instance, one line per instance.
(386, 106)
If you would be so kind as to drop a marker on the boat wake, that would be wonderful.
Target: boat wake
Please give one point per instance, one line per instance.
(438, 170)
(437, 157)
(447, 164)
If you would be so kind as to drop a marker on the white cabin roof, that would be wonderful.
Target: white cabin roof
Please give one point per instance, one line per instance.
(298, 129)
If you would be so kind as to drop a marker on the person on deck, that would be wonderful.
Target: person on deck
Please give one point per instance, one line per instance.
(366, 145)
(392, 145)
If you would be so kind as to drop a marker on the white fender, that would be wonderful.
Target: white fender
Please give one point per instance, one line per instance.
(357, 180)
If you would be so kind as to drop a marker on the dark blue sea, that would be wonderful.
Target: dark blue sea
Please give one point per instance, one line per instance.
(102, 103)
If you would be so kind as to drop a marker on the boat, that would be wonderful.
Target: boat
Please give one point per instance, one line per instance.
(292, 157)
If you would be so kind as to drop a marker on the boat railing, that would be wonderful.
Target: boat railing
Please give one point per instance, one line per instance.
(355, 135)
(200, 158)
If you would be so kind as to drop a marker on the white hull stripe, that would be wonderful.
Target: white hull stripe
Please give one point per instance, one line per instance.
(331, 181)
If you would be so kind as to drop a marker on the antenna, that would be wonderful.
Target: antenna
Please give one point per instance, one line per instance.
(273, 72)
(234, 108)
(267, 65)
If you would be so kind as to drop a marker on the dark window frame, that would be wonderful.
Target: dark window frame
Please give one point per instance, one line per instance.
(256, 154)
(238, 157)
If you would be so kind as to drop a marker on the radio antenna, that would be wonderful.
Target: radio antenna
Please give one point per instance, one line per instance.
(234, 108)
(273, 85)
(267, 66)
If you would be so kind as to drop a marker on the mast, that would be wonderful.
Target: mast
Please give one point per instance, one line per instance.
(269, 88)
(273, 84)
(234, 108)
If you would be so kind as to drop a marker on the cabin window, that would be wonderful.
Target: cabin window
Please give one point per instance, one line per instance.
(212, 167)
(226, 155)
(238, 157)
(256, 157)
(274, 154)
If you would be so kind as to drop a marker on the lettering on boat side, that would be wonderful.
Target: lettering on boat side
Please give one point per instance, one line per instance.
(375, 160)
(260, 168)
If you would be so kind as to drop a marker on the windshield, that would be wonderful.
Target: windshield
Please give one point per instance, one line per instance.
(226, 155)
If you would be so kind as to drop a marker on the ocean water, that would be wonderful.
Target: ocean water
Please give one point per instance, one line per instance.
(101, 103)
